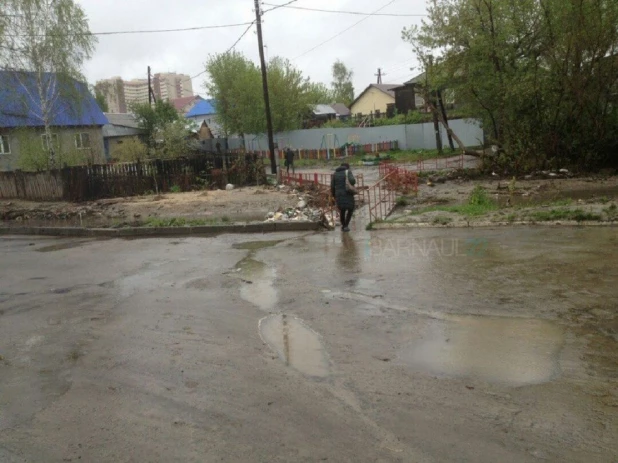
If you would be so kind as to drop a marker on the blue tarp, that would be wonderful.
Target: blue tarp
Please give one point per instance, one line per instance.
(202, 108)
(20, 105)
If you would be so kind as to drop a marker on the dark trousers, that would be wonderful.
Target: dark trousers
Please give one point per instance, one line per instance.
(345, 214)
(290, 165)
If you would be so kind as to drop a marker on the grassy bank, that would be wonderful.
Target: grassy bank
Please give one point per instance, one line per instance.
(481, 207)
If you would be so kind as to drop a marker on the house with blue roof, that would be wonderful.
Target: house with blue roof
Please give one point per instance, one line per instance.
(75, 119)
(205, 111)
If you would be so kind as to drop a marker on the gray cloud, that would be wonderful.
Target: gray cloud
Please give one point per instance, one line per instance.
(374, 43)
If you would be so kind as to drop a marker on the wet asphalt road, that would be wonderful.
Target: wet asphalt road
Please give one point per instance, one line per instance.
(428, 345)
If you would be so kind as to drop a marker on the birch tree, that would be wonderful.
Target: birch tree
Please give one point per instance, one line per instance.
(45, 42)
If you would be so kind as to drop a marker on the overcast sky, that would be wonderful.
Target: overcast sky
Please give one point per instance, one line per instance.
(376, 42)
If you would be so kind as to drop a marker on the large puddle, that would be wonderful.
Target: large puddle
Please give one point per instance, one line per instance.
(257, 279)
(258, 284)
(501, 350)
(296, 344)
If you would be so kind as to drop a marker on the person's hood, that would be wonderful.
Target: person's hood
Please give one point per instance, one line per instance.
(340, 169)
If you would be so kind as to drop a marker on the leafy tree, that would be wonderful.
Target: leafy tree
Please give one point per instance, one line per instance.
(236, 86)
(542, 73)
(101, 100)
(46, 36)
(131, 150)
(154, 118)
(175, 141)
(343, 89)
(320, 93)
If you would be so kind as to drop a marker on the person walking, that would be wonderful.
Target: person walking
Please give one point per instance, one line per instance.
(289, 161)
(342, 189)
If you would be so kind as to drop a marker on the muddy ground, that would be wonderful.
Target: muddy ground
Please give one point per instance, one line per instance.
(593, 195)
(443, 345)
(238, 205)
(519, 201)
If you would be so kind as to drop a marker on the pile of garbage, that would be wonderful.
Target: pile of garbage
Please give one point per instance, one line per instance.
(303, 213)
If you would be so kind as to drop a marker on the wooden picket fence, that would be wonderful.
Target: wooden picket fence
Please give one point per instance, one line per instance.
(85, 183)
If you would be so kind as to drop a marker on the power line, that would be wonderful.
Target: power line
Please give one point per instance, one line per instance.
(345, 30)
(400, 66)
(402, 15)
(228, 50)
(150, 31)
(240, 38)
(276, 7)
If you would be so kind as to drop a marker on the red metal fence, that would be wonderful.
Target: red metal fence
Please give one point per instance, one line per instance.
(319, 179)
(381, 198)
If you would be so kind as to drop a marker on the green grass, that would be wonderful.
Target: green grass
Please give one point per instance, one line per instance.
(159, 222)
(551, 215)
(401, 202)
(175, 189)
(479, 203)
(442, 220)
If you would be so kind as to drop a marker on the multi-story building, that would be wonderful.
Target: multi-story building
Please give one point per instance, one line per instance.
(120, 95)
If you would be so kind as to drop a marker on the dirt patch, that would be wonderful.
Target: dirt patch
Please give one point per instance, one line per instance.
(530, 201)
(240, 205)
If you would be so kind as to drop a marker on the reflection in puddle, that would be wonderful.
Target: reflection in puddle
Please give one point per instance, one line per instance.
(296, 344)
(500, 350)
(258, 284)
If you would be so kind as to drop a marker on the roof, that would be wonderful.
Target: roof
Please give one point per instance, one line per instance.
(323, 110)
(73, 104)
(181, 103)
(341, 109)
(418, 79)
(111, 131)
(202, 108)
(122, 120)
(385, 88)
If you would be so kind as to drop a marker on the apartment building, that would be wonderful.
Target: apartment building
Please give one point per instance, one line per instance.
(121, 94)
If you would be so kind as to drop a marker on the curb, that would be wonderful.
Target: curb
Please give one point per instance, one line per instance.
(404, 225)
(163, 231)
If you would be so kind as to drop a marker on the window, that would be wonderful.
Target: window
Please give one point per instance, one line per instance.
(82, 141)
(46, 141)
(5, 148)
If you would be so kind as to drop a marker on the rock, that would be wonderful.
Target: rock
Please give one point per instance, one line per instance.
(564, 171)
(301, 205)
(553, 175)
(229, 187)
(528, 177)
(271, 215)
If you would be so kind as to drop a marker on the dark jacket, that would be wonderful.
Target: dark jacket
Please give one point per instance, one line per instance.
(289, 157)
(344, 199)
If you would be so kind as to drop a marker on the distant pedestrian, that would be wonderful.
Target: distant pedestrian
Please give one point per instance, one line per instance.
(289, 161)
(342, 189)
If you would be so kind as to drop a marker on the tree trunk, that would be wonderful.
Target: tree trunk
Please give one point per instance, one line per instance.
(449, 131)
(443, 111)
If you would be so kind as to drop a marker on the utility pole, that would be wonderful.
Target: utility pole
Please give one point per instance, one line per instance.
(269, 121)
(379, 75)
